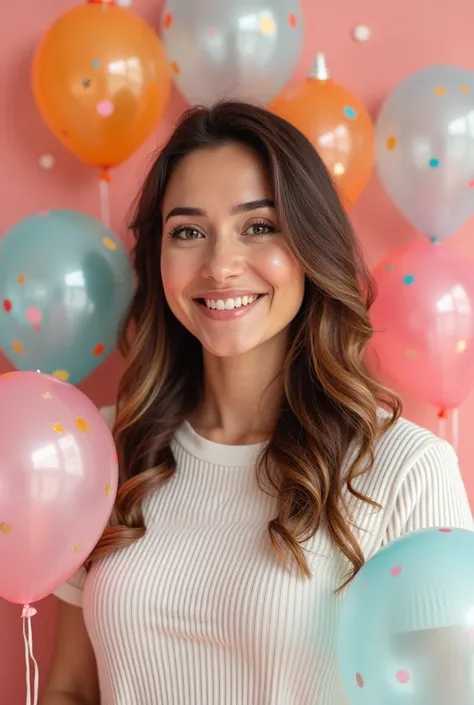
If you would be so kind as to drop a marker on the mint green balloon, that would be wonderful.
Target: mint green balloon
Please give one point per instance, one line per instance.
(406, 632)
(65, 283)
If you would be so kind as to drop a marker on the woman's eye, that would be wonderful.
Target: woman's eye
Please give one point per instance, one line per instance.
(260, 229)
(185, 234)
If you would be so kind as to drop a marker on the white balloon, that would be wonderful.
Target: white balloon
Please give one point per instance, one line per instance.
(239, 49)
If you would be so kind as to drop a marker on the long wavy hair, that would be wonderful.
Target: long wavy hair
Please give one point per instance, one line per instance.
(330, 402)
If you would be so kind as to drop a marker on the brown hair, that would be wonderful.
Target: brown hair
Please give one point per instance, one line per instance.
(331, 401)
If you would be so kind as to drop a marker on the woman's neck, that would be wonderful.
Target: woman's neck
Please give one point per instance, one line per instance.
(242, 394)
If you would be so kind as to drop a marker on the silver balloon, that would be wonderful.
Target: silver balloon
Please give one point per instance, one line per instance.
(241, 49)
(425, 148)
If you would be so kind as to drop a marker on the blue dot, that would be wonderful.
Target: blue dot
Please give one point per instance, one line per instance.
(95, 64)
(350, 112)
(434, 163)
(408, 279)
(388, 267)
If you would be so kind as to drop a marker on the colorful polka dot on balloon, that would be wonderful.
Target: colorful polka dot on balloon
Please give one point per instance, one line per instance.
(99, 349)
(411, 354)
(95, 64)
(34, 315)
(105, 108)
(402, 677)
(175, 67)
(168, 21)
(391, 142)
(440, 90)
(109, 243)
(389, 267)
(396, 571)
(461, 345)
(471, 183)
(7, 305)
(17, 347)
(81, 425)
(63, 375)
(434, 162)
(267, 25)
(445, 531)
(21, 279)
(212, 32)
(293, 21)
(359, 680)
(58, 428)
(408, 279)
(464, 89)
(350, 112)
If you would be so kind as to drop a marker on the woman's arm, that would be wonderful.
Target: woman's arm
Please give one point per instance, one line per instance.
(73, 676)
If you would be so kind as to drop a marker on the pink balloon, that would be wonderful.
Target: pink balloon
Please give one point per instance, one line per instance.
(58, 480)
(424, 322)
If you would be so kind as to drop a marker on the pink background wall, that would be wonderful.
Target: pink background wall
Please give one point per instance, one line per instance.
(405, 36)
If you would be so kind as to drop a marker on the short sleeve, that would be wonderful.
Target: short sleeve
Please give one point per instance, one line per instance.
(432, 494)
(72, 590)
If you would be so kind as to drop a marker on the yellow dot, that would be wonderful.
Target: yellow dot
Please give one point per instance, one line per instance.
(108, 489)
(464, 89)
(440, 90)
(461, 346)
(81, 425)
(57, 428)
(5, 528)
(338, 169)
(411, 354)
(21, 279)
(109, 243)
(175, 67)
(77, 547)
(61, 374)
(267, 25)
(391, 142)
(17, 347)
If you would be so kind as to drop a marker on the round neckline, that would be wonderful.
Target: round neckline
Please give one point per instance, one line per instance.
(217, 453)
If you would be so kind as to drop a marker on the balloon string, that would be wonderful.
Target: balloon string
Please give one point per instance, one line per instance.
(442, 418)
(455, 429)
(104, 181)
(27, 614)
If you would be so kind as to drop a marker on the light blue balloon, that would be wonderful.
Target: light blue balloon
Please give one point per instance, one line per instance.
(65, 283)
(425, 149)
(407, 623)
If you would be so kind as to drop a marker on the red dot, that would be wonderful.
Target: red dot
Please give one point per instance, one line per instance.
(445, 531)
(7, 305)
(168, 20)
(359, 680)
(402, 677)
(99, 349)
(396, 571)
(471, 183)
(293, 21)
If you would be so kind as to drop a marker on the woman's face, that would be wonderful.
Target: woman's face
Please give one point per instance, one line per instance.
(228, 274)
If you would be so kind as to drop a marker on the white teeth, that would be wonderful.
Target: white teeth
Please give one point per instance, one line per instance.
(229, 304)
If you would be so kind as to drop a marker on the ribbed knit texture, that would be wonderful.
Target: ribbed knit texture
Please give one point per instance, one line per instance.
(200, 611)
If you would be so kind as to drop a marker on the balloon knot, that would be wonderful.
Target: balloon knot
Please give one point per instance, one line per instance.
(105, 176)
(28, 611)
(443, 414)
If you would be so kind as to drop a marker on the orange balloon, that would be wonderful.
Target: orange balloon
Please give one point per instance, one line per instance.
(339, 126)
(101, 80)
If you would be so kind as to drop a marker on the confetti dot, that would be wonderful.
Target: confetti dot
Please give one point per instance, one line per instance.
(293, 21)
(105, 108)
(439, 90)
(408, 279)
(402, 677)
(95, 64)
(391, 142)
(350, 112)
(61, 374)
(7, 305)
(359, 680)
(461, 346)
(21, 279)
(57, 428)
(396, 571)
(267, 25)
(175, 67)
(77, 547)
(81, 425)
(99, 349)
(388, 267)
(434, 162)
(17, 347)
(108, 489)
(34, 315)
(464, 89)
(109, 243)
(168, 21)
(338, 169)
(445, 531)
(5, 528)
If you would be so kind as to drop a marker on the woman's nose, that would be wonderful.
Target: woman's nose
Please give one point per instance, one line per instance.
(224, 261)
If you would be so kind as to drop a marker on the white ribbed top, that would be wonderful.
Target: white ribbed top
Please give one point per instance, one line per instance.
(200, 612)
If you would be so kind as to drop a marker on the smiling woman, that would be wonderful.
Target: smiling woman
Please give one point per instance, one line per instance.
(260, 462)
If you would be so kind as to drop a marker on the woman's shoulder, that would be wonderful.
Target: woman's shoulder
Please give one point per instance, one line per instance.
(404, 441)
